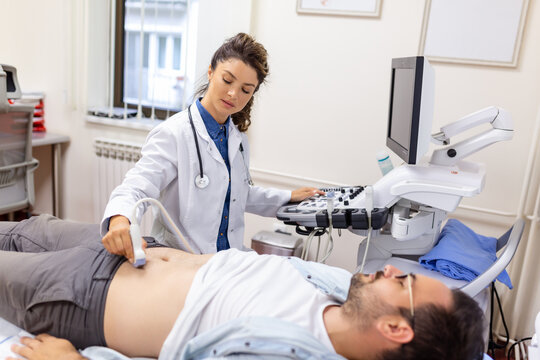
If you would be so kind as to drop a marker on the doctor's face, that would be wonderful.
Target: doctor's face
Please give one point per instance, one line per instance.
(230, 86)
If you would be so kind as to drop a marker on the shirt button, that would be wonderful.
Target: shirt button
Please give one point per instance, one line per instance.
(233, 200)
(232, 230)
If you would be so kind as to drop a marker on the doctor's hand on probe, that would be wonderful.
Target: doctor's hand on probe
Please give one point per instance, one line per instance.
(118, 239)
(303, 193)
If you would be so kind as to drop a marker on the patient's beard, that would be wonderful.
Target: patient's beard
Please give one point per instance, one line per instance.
(365, 305)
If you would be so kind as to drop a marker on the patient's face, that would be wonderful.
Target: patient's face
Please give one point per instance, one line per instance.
(395, 290)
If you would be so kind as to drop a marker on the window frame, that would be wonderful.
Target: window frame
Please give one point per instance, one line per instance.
(119, 59)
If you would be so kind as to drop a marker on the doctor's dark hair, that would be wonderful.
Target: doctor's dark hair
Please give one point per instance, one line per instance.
(444, 334)
(242, 47)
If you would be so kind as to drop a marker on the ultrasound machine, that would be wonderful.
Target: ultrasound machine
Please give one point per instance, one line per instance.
(400, 215)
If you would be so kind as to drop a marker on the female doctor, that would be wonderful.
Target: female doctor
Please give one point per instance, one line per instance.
(196, 162)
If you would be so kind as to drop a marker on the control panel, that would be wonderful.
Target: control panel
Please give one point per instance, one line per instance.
(313, 212)
(341, 196)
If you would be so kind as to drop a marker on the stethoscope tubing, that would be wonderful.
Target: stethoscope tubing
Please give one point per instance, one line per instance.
(196, 142)
(201, 180)
(250, 182)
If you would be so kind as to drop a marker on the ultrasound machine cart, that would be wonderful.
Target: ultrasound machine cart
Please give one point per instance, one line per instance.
(408, 204)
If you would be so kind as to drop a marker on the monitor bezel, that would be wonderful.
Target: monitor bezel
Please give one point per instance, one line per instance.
(415, 63)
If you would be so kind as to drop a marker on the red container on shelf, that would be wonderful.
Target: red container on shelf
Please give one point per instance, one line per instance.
(35, 99)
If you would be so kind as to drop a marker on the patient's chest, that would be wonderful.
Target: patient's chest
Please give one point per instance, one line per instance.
(270, 286)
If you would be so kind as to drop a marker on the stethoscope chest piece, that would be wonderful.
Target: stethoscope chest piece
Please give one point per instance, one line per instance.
(202, 182)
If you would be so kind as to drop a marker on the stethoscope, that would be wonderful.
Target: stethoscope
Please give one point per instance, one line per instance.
(201, 180)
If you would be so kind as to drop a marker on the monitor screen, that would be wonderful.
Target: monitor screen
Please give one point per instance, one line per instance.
(10, 84)
(411, 108)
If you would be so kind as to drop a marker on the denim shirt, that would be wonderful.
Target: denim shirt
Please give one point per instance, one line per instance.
(252, 337)
(218, 133)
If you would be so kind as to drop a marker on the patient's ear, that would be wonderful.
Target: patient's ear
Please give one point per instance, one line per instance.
(394, 328)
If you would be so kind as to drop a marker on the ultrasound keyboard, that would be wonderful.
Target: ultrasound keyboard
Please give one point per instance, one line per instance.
(312, 212)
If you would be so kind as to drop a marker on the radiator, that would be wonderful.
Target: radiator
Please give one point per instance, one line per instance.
(113, 160)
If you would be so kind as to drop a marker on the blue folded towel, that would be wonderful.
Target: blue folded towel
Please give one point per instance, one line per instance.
(462, 254)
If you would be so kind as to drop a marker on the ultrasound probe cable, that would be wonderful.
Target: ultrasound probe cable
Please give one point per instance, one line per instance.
(369, 208)
(135, 232)
(329, 209)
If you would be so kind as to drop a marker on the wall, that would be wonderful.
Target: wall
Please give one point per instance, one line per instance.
(321, 116)
(28, 34)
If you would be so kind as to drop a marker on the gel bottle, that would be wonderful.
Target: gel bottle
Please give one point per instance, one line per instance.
(385, 164)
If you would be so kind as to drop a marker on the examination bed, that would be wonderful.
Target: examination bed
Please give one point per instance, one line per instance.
(9, 334)
(507, 243)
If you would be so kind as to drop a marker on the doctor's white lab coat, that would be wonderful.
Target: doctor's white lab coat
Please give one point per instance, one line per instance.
(167, 171)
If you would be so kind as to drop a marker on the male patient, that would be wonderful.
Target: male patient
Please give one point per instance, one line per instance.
(57, 278)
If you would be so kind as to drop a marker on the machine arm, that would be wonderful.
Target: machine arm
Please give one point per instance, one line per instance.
(502, 129)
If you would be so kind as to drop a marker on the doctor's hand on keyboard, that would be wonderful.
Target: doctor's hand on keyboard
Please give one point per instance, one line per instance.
(304, 193)
(118, 240)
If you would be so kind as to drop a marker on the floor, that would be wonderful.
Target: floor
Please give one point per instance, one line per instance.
(501, 355)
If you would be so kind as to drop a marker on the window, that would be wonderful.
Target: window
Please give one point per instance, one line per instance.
(162, 50)
(177, 50)
(150, 55)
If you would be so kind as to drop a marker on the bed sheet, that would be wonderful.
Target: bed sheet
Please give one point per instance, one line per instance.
(9, 334)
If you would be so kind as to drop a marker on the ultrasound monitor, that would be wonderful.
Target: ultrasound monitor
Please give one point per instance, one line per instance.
(411, 108)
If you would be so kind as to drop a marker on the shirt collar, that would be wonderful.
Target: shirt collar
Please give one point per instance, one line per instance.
(212, 126)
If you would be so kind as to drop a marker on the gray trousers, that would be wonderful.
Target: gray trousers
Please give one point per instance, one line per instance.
(54, 277)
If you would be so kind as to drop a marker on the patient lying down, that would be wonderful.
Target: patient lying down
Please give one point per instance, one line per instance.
(231, 303)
